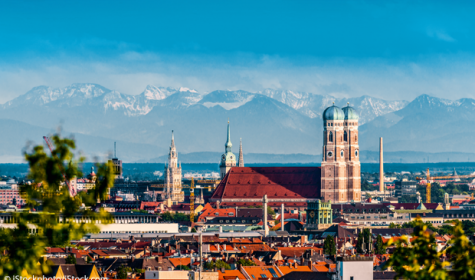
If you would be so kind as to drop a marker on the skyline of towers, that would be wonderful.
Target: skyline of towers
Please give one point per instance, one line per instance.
(340, 181)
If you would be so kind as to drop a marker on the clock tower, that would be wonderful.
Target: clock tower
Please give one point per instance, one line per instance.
(228, 159)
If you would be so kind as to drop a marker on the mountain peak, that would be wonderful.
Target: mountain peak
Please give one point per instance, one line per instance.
(187, 89)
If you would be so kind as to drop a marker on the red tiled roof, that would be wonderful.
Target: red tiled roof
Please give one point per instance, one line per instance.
(55, 250)
(212, 213)
(276, 182)
(181, 207)
(270, 204)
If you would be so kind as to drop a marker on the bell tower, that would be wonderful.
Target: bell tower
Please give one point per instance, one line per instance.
(228, 159)
(333, 162)
(340, 162)
(352, 150)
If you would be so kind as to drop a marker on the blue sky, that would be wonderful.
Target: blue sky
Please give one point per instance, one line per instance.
(392, 50)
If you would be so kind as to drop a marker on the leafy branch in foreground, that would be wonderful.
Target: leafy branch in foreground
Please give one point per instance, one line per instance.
(50, 221)
(420, 259)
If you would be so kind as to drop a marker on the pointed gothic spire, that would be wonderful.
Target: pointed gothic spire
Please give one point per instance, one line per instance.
(228, 142)
(241, 156)
(173, 140)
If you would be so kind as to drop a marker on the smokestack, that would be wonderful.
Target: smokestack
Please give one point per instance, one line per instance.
(264, 206)
(381, 169)
(282, 218)
(115, 150)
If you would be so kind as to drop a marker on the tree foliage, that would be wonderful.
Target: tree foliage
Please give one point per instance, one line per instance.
(246, 262)
(416, 223)
(329, 246)
(218, 264)
(393, 225)
(379, 247)
(123, 271)
(71, 259)
(359, 243)
(407, 199)
(182, 267)
(462, 254)
(420, 259)
(51, 198)
(177, 217)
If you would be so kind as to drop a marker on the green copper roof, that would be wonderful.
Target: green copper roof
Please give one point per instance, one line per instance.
(350, 113)
(333, 113)
(228, 144)
(421, 207)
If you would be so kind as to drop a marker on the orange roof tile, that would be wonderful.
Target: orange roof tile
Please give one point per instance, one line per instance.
(320, 268)
(180, 261)
(231, 274)
(285, 269)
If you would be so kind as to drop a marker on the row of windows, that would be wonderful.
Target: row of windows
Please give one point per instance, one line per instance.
(345, 137)
(371, 210)
(338, 124)
(234, 221)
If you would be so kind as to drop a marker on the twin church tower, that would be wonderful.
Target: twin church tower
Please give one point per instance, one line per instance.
(340, 169)
(341, 178)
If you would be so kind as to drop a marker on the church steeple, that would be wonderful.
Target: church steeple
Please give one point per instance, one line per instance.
(241, 156)
(173, 175)
(228, 159)
(228, 144)
(173, 140)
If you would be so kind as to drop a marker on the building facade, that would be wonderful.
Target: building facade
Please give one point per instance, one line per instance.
(319, 215)
(370, 214)
(341, 179)
(405, 187)
(173, 175)
(228, 159)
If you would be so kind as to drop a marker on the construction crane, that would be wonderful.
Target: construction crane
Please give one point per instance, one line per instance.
(428, 177)
(192, 201)
(72, 190)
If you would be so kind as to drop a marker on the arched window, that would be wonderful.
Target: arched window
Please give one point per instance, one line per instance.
(330, 137)
(345, 136)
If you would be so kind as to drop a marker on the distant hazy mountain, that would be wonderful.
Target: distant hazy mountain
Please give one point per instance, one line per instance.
(19, 135)
(313, 105)
(427, 124)
(269, 122)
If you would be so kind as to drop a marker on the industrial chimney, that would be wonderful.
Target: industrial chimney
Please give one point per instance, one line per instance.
(264, 206)
(282, 218)
(381, 169)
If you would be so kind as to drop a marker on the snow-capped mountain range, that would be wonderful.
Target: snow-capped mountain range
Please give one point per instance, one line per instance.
(309, 104)
(269, 121)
